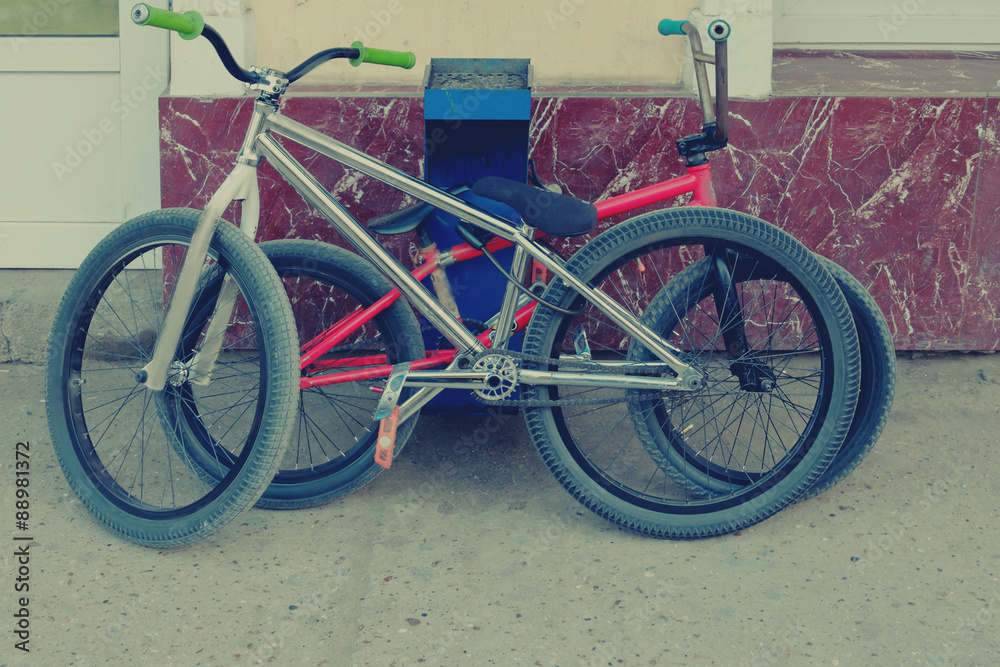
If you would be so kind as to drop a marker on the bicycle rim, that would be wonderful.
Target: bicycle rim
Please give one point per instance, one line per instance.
(759, 407)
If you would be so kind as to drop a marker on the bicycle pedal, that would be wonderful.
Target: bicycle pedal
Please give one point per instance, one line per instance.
(386, 440)
(393, 388)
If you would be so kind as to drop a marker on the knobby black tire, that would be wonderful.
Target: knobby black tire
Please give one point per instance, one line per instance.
(617, 465)
(120, 445)
(878, 374)
(878, 379)
(332, 449)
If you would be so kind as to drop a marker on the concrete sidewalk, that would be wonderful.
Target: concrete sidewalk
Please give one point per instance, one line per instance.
(28, 302)
(483, 559)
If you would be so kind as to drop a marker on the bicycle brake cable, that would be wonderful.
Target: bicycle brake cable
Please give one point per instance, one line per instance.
(525, 290)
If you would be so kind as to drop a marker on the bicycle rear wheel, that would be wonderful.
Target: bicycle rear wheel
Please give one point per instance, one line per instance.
(770, 332)
(878, 380)
(120, 445)
(332, 449)
(878, 373)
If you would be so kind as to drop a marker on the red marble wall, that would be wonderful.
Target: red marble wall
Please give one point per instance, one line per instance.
(903, 192)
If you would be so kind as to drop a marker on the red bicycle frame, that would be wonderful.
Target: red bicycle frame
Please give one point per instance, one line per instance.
(697, 181)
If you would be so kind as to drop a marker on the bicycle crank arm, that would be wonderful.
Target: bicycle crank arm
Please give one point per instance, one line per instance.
(447, 379)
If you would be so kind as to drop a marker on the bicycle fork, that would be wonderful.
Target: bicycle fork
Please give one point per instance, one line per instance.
(241, 184)
(753, 375)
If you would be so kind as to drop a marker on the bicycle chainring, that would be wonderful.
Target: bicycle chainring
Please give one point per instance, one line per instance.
(501, 376)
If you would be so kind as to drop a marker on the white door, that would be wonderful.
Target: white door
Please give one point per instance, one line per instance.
(80, 139)
(887, 24)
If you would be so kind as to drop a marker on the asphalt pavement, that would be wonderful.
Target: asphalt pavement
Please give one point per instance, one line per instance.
(467, 552)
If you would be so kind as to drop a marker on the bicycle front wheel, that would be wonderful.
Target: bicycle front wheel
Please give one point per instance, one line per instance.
(124, 449)
(770, 333)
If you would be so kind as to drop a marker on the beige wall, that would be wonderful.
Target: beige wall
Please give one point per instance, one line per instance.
(569, 41)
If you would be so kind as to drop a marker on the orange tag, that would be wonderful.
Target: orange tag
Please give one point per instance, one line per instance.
(386, 438)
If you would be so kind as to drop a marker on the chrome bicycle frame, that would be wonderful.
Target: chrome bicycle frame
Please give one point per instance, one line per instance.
(259, 143)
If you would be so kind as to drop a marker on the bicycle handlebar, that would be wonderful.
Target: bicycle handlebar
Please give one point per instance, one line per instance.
(404, 59)
(719, 31)
(188, 25)
(668, 27)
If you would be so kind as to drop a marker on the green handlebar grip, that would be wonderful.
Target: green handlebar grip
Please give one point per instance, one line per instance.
(404, 59)
(188, 25)
(668, 27)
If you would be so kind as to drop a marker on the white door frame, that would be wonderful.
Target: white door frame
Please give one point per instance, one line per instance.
(132, 70)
